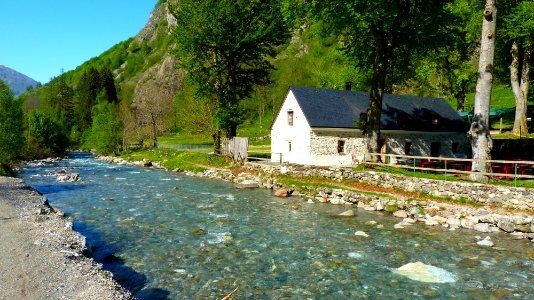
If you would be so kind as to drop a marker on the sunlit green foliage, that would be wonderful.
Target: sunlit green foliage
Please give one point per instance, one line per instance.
(10, 127)
(105, 135)
(226, 55)
(45, 135)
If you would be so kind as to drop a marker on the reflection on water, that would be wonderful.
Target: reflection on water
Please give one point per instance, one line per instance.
(166, 235)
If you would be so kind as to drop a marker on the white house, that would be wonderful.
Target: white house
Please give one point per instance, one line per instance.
(317, 127)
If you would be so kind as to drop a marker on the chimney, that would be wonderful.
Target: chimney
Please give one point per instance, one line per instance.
(348, 85)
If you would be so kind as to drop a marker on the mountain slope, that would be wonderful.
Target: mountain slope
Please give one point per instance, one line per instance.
(18, 82)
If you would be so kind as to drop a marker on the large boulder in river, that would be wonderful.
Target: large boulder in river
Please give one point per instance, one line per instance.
(283, 193)
(72, 177)
(247, 184)
(426, 273)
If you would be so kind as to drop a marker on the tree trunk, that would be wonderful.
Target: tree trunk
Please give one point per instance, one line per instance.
(479, 133)
(460, 96)
(216, 142)
(520, 83)
(154, 132)
(380, 67)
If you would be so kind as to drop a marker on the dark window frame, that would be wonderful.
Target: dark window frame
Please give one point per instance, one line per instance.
(341, 144)
(290, 117)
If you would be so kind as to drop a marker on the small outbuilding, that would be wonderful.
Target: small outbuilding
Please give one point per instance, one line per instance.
(318, 127)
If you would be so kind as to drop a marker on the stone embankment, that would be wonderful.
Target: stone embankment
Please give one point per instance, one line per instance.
(501, 208)
(41, 256)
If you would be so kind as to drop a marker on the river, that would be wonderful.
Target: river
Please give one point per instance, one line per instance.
(166, 235)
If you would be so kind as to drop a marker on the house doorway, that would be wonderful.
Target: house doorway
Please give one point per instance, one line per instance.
(382, 150)
(435, 149)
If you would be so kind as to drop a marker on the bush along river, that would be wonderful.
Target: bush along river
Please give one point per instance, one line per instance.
(166, 235)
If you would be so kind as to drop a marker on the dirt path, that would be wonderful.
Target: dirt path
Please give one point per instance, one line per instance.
(40, 256)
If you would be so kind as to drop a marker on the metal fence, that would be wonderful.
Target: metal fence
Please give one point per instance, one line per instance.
(497, 169)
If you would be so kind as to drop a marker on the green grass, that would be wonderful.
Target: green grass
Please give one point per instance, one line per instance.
(305, 183)
(185, 139)
(417, 174)
(181, 160)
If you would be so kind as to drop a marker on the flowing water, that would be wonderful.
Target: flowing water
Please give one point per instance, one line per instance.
(170, 236)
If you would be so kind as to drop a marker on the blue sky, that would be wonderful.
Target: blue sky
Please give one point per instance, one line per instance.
(41, 37)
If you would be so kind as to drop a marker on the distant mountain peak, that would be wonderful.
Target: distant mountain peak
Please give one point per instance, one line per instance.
(17, 81)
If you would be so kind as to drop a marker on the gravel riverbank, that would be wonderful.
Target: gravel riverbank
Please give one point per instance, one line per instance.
(41, 256)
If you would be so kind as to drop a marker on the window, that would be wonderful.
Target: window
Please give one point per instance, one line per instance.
(341, 147)
(289, 146)
(455, 147)
(435, 149)
(407, 148)
(290, 117)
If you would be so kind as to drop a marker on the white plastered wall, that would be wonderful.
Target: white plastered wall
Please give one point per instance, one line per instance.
(298, 134)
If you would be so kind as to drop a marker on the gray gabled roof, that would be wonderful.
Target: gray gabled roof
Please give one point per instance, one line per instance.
(326, 108)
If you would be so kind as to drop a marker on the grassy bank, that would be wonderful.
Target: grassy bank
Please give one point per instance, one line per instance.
(178, 160)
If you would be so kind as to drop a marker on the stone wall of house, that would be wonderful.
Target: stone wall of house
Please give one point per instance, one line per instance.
(501, 196)
(324, 148)
(421, 143)
(324, 145)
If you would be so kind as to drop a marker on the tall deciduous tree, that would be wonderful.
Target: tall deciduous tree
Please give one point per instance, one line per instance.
(384, 35)
(225, 45)
(45, 135)
(11, 139)
(479, 133)
(154, 98)
(106, 130)
(519, 26)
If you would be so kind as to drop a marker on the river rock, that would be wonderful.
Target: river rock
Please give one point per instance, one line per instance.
(400, 214)
(454, 222)
(431, 211)
(485, 242)
(198, 231)
(72, 177)
(399, 226)
(379, 206)
(348, 213)
(425, 273)
(361, 233)
(429, 221)
(391, 207)
(469, 222)
(414, 211)
(506, 225)
(408, 221)
(247, 184)
(482, 227)
(146, 163)
(283, 193)
(441, 220)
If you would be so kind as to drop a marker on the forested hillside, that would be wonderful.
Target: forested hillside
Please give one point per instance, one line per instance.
(152, 84)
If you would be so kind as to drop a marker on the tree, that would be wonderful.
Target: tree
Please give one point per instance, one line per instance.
(45, 135)
(106, 130)
(479, 133)
(455, 57)
(11, 139)
(519, 26)
(154, 98)
(225, 46)
(108, 84)
(384, 36)
(87, 91)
